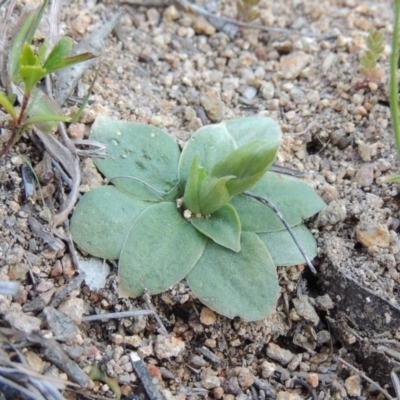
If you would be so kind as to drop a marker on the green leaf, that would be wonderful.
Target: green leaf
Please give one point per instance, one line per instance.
(391, 178)
(223, 227)
(191, 194)
(205, 194)
(97, 374)
(6, 104)
(27, 57)
(143, 157)
(283, 249)
(159, 251)
(38, 15)
(31, 75)
(248, 164)
(57, 55)
(215, 142)
(76, 59)
(294, 198)
(40, 105)
(102, 220)
(255, 216)
(213, 194)
(46, 118)
(42, 50)
(243, 284)
(26, 29)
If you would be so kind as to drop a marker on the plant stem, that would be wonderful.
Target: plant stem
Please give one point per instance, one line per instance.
(15, 134)
(23, 110)
(394, 99)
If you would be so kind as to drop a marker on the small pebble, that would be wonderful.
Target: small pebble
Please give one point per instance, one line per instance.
(323, 337)
(267, 369)
(211, 101)
(197, 361)
(306, 310)
(22, 322)
(313, 380)
(171, 13)
(218, 392)
(166, 347)
(73, 308)
(267, 90)
(293, 64)
(231, 385)
(61, 325)
(207, 316)
(365, 175)
(292, 366)
(209, 379)
(134, 341)
(249, 92)
(34, 361)
(288, 396)
(276, 352)
(324, 302)
(373, 234)
(245, 378)
(202, 27)
(353, 385)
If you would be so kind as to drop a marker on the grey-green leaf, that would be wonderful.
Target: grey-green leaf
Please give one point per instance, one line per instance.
(215, 142)
(160, 250)
(243, 284)
(223, 227)
(102, 220)
(294, 198)
(283, 249)
(144, 157)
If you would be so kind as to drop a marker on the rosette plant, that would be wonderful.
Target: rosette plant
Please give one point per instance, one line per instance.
(168, 215)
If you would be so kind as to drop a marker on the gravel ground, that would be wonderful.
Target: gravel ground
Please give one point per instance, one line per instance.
(174, 69)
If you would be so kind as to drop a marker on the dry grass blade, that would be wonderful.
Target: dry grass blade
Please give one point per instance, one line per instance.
(18, 377)
(54, 22)
(70, 163)
(199, 10)
(39, 230)
(117, 315)
(3, 54)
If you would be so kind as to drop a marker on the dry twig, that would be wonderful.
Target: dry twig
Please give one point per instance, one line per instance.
(117, 315)
(357, 371)
(287, 226)
(199, 10)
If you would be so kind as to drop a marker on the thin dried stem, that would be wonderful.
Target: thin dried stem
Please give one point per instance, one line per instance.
(357, 371)
(117, 315)
(396, 384)
(199, 10)
(265, 201)
(147, 300)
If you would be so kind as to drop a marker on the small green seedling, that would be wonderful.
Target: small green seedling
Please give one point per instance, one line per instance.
(247, 9)
(25, 69)
(369, 60)
(169, 215)
(394, 85)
